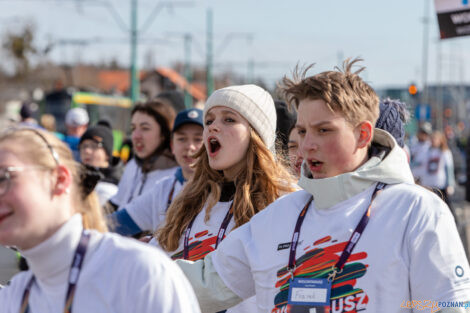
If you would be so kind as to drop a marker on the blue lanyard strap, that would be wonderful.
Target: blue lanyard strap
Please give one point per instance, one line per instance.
(353, 240)
(220, 234)
(73, 276)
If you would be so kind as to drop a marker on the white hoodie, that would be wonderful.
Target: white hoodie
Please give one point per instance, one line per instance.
(410, 249)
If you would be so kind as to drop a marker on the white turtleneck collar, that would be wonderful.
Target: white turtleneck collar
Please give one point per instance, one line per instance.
(50, 260)
(392, 169)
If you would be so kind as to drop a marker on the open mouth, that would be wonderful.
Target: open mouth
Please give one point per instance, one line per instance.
(298, 164)
(5, 215)
(314, 165)
(214, 145)
(188, 159)
(138, 146)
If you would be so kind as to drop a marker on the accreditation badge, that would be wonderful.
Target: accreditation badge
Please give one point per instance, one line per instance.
(309, 295)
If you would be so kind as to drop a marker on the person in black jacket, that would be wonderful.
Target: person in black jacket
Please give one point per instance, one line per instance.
(96, 151)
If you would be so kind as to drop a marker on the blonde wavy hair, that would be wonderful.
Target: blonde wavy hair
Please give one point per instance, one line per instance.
(262, 180)
(28, 145)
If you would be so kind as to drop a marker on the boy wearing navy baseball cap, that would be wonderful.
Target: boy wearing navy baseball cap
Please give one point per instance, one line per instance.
(147, 212)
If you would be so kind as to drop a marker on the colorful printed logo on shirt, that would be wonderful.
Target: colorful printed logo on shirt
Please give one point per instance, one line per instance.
(199, 246)
(317, 262)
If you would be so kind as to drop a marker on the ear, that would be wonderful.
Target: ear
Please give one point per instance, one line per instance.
(365, 130)
(63, 181)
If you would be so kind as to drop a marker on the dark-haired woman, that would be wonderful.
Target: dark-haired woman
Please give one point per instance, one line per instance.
(151, 132)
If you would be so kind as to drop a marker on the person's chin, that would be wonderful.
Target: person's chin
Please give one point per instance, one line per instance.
(215, 165)
(141, 154)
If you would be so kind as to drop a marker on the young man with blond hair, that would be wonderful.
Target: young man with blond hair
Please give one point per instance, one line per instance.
(360, 236)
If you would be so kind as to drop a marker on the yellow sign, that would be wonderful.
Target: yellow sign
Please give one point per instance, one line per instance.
(96, 99)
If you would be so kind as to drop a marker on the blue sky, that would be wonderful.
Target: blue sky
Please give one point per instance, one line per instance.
(387, 34)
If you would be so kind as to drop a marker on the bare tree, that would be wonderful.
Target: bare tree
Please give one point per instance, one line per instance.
(20, 47)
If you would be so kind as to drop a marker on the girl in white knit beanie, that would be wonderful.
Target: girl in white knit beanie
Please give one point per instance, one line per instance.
(236, 175)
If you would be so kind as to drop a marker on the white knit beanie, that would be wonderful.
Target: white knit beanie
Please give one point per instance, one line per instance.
(251, 102)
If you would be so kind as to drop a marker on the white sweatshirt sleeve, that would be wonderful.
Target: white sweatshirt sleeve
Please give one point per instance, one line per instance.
(224, 277)
(438, 266)
(164, 289)
(140, 209)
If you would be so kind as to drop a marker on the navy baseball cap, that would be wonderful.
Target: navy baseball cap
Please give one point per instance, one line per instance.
(188, 116)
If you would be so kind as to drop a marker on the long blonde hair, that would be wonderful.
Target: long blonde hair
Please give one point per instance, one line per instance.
(261, 181)
(35, 149)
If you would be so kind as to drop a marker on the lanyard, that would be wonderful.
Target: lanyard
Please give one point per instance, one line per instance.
(172, 191)
(353, 240)
(144, 179)
(220, 234)
(73, 276)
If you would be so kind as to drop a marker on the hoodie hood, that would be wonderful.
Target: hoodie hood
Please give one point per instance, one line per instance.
(112, 174)
(393, 168)
(159, 160)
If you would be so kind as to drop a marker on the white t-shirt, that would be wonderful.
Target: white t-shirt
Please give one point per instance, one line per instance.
(202, 240)
(203, 235)
(105, 190)
(410, 250)
(118, 275)
(439, 171)
(149, 210)
(419, 155)
(134, 183)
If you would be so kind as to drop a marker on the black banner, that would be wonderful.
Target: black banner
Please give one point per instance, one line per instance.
(454, 24)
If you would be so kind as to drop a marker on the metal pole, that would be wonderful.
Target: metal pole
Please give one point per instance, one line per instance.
(424, 98)
(209, 56)
(134, 79)
(251, 62)
(188, 99)
(340, 56)
(439, 98)
(462, 107)
(251, 71)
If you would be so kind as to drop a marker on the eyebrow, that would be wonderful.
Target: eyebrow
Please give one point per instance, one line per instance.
(141, 124)
(223, 112)
(313, 125)
(229, 112)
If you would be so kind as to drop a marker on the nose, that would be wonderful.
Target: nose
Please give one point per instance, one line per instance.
(214, 126)
(306, 144)
(192, 146)
(298, 155)
(87, 149)
(135, 134)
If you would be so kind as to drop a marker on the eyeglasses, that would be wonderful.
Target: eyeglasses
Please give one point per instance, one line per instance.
(91, 145)
(5, 176)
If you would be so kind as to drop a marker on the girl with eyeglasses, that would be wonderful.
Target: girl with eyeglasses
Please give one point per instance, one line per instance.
(58, 226)
(96, 151)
